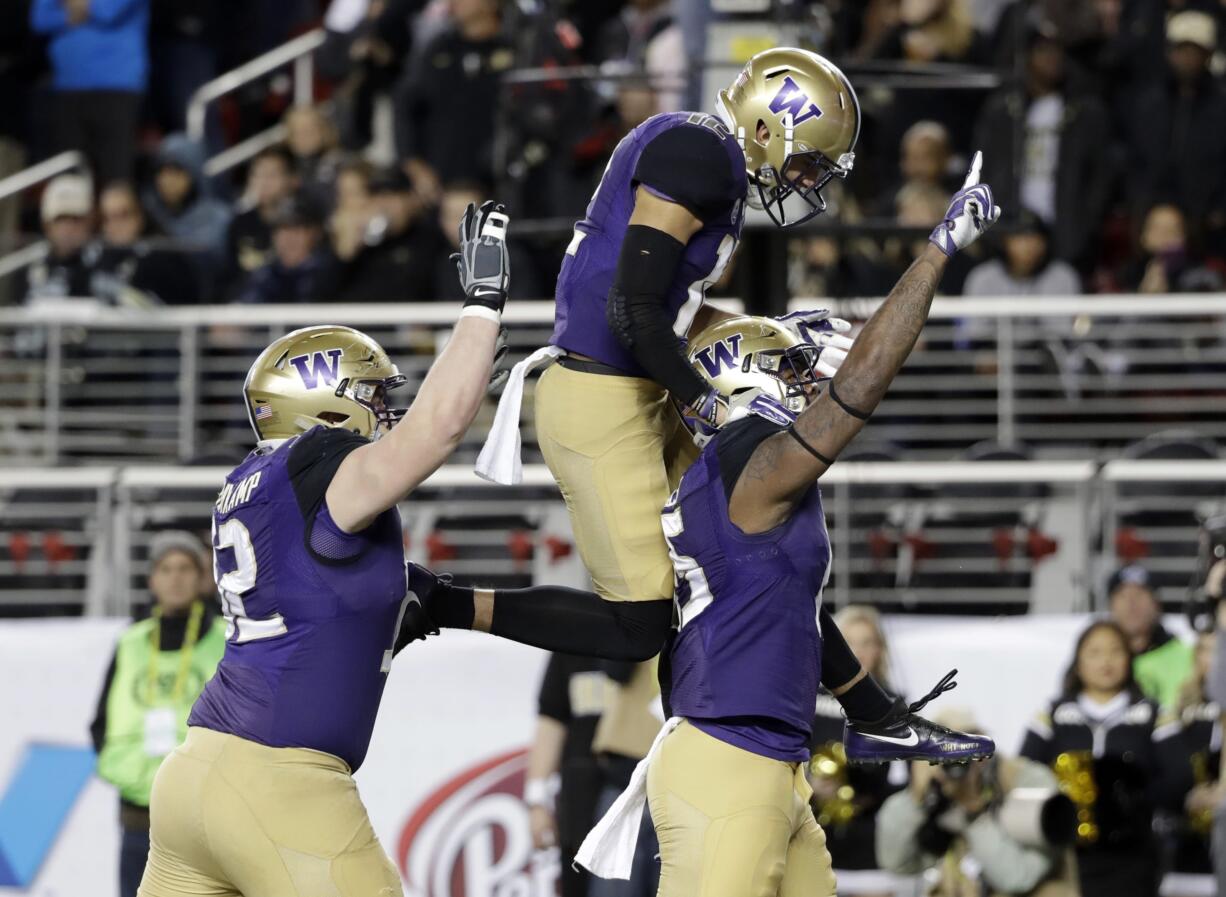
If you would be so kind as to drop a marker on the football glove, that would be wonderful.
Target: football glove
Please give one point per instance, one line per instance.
(483, 263)
(755, 402)
(817, 328)
(971, 212)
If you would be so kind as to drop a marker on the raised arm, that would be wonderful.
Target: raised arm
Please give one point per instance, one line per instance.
(786, 464)
(377, 476)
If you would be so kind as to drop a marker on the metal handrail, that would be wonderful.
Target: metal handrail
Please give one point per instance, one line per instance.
(541, 312)
(297, 51)
(45, 170)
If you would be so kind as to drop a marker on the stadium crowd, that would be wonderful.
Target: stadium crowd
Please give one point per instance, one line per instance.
(1106, 135)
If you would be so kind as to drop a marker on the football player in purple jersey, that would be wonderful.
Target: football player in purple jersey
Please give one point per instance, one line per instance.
(748, 541)
(659, 230)
(309, 561)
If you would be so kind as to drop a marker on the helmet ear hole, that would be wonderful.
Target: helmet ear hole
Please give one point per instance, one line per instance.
(335, 418)
(762, 133)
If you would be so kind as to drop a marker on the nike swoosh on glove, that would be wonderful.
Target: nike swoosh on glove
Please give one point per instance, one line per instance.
(971, 212)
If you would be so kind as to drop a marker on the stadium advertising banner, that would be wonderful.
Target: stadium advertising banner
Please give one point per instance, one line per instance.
(446, 765)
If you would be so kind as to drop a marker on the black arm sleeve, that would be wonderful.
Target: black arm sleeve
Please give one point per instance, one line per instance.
(554, 699)
(313, 461)
(690, 165)
(637, 316)
(97, 729)
(560, 619)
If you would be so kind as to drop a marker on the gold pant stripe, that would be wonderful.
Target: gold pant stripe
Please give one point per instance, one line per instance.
(732, 823)
(231, 817)
(617, 448)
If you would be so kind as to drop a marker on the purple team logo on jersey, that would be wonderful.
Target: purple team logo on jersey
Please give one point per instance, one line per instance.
(791, 100)
(318, 366)
(723, 354)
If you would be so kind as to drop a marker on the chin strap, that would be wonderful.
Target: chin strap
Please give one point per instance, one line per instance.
(946, 684)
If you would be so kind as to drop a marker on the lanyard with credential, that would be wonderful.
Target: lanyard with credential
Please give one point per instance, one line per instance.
(185, 653)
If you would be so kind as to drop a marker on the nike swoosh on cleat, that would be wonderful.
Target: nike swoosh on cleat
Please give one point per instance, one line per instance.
(910, 741)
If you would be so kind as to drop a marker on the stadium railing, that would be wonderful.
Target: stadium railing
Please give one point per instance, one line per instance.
(984, 536)
(1055, 377)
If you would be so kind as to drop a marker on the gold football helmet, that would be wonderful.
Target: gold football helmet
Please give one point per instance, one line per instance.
(746, 352)
(329, 375)
(797, 118)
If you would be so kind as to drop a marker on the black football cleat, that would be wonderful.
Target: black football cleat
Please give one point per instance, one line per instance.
(902, 735)
(416, 622)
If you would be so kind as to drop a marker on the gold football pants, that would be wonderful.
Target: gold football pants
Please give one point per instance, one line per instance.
(232, 817)
(732, 823)
(617, 448)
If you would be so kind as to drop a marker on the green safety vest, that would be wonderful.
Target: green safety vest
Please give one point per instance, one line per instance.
(1162, 672)
(170, 681)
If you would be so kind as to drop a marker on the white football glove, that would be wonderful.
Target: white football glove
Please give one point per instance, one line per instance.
(817, 328)
(971, 212)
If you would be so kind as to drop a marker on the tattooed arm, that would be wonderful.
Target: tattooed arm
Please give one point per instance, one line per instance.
(781, 469)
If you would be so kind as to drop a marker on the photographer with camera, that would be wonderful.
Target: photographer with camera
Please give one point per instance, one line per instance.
(993, 827)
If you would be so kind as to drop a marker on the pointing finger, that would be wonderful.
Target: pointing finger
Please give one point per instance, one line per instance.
(972, 176)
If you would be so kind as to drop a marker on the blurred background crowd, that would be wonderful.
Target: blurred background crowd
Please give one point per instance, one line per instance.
(1103, 126)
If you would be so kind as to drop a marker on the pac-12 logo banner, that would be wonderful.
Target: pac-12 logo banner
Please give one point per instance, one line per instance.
(472, 838)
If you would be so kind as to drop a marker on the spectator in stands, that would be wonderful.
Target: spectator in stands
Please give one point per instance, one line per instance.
(1168, 262)
(930, 31)
(1179, 128)
(313, 142)
(184, 36)
(923, 159)
(1025, 266)
(180, 202)
(563, 781)
(1065, 175)
(302, 267)
(68, 224)
(391, 262)
(448, 101)
(646, 37)
(352, 212)
(1200, 718)
(271, 180)
(100, 64)
(1116, 760)
(947, 825)
(366, 47)
(442, 239)
(1162, 662)
(127, 267)
(850, 821)
(159, 668)
(20, 61)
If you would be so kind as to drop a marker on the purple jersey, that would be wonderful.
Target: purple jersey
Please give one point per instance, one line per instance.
(688, 157)
(312, 611)
(747, 659)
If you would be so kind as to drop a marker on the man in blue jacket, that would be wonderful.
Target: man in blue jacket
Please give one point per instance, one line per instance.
(100, 63)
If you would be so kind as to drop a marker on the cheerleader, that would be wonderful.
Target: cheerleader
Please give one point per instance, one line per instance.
(1115, 759)
(1200, 720)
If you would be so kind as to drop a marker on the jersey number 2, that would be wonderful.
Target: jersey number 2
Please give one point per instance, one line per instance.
(238, 582)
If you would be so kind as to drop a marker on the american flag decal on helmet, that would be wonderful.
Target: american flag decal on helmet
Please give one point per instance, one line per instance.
(263, 411)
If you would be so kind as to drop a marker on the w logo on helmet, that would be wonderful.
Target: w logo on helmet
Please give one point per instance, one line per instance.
(318, 366)
(791, 100)
(723, 354)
